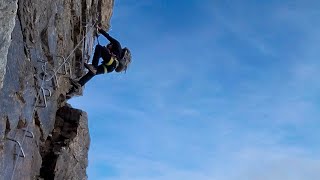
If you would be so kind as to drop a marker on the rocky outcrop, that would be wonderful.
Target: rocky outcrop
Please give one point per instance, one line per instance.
(41, 136)
(70, 136)
(8, 11)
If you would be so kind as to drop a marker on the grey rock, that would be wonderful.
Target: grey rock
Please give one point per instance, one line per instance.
(78, 147)
(8, 11)
(35, 40)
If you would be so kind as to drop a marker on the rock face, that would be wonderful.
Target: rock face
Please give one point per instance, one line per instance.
(70, 136)
(43, 44)
(7, 20)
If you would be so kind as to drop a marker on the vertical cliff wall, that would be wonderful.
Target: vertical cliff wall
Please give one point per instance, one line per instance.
(44, 43)
(8, 11)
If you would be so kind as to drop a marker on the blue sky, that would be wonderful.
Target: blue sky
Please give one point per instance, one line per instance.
(217, 90)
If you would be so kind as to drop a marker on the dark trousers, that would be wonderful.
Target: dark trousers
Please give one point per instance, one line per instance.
(100, 51)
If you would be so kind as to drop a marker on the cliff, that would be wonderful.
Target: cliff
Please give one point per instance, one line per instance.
(43, 44)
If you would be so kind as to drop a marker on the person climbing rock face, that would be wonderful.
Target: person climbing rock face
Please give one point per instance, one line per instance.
(114, 58)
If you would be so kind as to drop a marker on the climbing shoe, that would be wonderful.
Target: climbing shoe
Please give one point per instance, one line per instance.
(91, 68)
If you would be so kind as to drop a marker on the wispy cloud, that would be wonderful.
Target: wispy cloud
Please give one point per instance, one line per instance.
(240, 161)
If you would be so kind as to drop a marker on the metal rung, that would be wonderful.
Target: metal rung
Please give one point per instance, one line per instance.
(42, 89)
(59, 67)
(31, 134)
(44, 96)
(64, 65)
(21, 150)
(56, 79)
(67, 64)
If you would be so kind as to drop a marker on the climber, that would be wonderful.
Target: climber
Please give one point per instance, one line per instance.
(114, 58)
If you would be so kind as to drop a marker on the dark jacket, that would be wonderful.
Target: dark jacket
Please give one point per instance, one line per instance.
(116, 46)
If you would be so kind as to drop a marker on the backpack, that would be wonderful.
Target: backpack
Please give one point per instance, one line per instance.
(126, 58)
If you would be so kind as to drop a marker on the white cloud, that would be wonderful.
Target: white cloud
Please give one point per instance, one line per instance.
(242, 162)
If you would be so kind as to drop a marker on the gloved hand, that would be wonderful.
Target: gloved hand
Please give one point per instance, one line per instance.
(98, 27)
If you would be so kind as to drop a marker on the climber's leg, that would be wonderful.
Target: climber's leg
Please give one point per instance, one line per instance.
(86, 78)
(97, 55)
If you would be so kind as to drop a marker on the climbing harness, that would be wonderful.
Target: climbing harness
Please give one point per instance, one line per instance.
(106, 65)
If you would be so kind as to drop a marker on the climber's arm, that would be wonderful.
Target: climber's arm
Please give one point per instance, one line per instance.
(116, 46)
(111, 39)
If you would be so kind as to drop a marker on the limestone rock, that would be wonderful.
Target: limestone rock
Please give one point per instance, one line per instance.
(43, 44)
(7, 20)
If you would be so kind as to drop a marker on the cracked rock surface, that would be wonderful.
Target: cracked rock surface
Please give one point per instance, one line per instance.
(44, 43)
